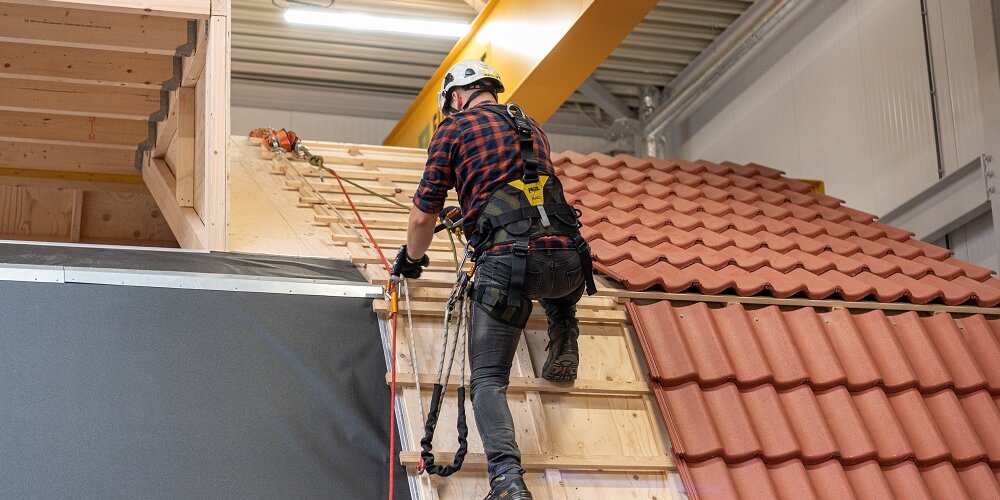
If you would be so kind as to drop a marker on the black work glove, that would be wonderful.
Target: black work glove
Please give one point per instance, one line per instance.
(408, 268)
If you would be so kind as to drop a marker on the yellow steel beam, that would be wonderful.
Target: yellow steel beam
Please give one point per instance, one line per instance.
(543, 51)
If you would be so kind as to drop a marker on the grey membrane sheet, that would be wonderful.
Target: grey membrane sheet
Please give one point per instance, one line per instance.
(130, 392)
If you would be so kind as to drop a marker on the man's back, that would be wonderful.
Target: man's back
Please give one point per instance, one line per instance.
(475, 151)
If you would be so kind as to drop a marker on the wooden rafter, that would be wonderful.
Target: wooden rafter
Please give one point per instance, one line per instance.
(99, 101)
(30, 154)
(70, 180)
(187, 9)
(89, 29)
(84, 129)
(75, 65)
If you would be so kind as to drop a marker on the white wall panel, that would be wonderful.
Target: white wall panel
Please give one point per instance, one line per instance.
(966, 72)
(844, 98)
(313, 126)
(580, 143)
(959, 103)
(974, 242)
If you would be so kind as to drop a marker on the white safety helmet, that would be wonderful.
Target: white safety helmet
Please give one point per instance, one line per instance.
(464, 73)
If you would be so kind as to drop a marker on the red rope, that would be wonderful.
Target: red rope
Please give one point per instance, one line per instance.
(392, 349)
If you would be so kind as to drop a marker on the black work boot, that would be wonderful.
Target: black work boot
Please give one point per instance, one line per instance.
(508, 487)
(564, 354)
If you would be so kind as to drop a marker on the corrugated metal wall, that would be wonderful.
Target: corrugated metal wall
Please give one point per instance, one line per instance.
(842, 95)
(965, 97)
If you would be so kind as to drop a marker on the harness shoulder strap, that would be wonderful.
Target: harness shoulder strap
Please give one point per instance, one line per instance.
(526, 143)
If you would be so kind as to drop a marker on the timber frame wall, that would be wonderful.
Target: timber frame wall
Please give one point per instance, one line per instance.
(95, 92)
(598, 438)
(184, 160)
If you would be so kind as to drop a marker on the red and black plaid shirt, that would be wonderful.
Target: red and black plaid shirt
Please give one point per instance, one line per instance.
(475, 151)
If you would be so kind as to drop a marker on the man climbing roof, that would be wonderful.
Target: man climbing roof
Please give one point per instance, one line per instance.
(526, 244)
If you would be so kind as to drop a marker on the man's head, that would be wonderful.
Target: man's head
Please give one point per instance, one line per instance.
(466, 81)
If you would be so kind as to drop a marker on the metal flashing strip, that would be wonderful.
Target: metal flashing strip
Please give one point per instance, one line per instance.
(188, 281)
(104, 247)
(25, 272)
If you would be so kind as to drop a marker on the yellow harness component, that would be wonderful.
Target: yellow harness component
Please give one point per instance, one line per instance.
(533, 192)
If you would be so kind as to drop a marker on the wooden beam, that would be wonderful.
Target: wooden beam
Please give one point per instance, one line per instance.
(522, 384)
(73, 65)
(88, 29)
(166, 130)
(28, 154)
(77, 217)
(539, 462)
(76, 99)
(180, 154)
(89, 130)
(193, 66)
(775, 301)
(394, 241)
(329, 185)
(188, 228)
(186, 9)
(437, 309)
(70, 180)
(213, 129)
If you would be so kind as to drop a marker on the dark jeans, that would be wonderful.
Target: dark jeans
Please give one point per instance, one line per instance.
(555, 278)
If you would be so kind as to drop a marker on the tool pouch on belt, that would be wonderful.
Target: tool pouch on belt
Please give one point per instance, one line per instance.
(494, 299)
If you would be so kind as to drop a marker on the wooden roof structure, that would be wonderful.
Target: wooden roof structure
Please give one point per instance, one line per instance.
(601, 437)
(113, 115)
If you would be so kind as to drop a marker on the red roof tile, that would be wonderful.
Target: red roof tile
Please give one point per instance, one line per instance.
(766, 403)
(746, 229)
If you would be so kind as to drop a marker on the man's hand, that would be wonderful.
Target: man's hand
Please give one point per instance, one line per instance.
(408, 268)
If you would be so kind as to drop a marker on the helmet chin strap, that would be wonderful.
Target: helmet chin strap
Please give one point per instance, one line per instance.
(477, 94)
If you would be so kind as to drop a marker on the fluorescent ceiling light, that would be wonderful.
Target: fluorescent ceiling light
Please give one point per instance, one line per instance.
(368, 22)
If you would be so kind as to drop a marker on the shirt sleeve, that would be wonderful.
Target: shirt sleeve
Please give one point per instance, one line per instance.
(439, 173)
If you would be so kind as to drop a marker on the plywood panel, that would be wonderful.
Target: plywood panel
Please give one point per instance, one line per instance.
(123, 216)
(265, 218)
(37, 211)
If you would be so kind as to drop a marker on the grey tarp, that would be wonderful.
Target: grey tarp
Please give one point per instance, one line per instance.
(126, 392)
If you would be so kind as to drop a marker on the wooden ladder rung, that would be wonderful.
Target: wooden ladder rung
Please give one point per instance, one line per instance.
(584, 315)
(540, 462)
(523, 384)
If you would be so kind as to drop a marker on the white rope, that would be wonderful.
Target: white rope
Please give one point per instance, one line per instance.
(405, 286)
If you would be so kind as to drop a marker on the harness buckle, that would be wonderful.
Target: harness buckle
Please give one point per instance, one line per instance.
(520, 248)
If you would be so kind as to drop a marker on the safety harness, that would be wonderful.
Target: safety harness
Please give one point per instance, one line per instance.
(524, 209)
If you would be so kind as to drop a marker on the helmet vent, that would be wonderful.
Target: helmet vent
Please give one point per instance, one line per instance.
(469, 71)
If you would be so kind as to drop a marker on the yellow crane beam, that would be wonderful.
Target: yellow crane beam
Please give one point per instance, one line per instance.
(543, 50)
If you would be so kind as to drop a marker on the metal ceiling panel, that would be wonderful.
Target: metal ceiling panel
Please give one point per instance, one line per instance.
(267, 49)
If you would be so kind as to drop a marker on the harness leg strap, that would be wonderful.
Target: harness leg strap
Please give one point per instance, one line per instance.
(587, 265)
(518, 269)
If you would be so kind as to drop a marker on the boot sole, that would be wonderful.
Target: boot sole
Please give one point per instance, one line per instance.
(561, 369)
